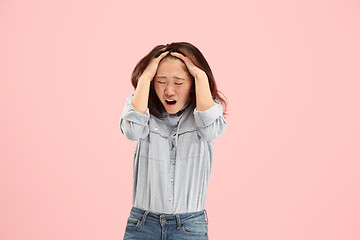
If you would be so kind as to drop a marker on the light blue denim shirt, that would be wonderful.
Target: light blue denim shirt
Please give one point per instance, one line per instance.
(172, 158)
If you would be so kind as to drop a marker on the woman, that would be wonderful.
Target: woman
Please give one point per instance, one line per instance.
(174, 115)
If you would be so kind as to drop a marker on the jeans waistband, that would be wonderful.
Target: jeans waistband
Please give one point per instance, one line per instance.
(166, 219)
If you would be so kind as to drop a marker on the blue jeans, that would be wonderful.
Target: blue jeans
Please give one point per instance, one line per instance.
(144, 225)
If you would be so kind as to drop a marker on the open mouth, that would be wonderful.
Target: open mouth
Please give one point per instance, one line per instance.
(170, 102)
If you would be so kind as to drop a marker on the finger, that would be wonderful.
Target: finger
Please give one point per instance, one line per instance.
(179, 55)
(164, 54)
(161, 55)
(182, 57)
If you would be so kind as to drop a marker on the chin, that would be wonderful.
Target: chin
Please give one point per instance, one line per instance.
(172, 112)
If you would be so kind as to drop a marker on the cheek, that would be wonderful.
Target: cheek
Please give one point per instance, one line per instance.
(157, 88)
(185, 92)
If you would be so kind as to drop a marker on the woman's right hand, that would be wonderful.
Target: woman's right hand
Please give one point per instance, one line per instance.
(141, 95)
(152, 67)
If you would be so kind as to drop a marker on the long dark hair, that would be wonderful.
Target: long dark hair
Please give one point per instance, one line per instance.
(187, 49)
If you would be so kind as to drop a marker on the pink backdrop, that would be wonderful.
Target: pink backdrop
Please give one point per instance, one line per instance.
(288, 166)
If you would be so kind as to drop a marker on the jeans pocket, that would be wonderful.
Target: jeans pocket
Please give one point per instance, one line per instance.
(195, 228)
(132, 223)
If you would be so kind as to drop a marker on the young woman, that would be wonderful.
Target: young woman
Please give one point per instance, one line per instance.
(174, 115)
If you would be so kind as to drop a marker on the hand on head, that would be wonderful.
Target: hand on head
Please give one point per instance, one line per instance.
(193, 69)
(151, 68)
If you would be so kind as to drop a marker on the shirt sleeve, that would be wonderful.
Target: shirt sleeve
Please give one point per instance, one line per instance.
(210, 123)
(133, 124)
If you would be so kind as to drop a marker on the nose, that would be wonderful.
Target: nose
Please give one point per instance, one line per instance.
(169, 90)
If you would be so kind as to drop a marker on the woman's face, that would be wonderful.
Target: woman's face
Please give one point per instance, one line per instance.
(172, 84)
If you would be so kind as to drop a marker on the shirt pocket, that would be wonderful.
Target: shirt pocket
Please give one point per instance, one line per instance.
(189, 145)
(155, 147)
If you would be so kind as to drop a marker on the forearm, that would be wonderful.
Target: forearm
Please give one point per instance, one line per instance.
(141, 95)
(204, 98)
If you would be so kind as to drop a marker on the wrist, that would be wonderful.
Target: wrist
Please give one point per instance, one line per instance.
(200, 76)
(145, 78)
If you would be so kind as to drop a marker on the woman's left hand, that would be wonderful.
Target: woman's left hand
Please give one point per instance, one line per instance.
(193, 69)
(204, 98)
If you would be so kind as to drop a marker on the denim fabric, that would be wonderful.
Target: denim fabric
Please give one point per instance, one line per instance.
(144, 225)
(173, 157)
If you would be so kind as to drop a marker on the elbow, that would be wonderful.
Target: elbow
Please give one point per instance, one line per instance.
(209, 135)
(131, 132)
(130, 135)
(211, 132)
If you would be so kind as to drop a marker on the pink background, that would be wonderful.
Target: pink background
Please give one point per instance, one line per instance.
(288, 166)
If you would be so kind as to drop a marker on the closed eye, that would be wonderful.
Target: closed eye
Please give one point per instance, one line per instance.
(161, 82)
(178, 83)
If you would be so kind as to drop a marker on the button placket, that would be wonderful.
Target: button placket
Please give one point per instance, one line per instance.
(172, 168)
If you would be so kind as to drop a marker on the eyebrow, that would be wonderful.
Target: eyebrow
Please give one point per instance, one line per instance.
(179, 78)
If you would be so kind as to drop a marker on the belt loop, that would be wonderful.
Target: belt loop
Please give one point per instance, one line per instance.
(178, 222)
(142, 222)
(206, 216)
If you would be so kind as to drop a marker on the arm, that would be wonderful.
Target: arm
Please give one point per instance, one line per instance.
(204, 98)
(141, 95)
(133, 124)
(135, 117)
(208, 114)
(210, 123)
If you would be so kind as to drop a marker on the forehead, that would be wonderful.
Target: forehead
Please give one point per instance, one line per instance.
(172, 65)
